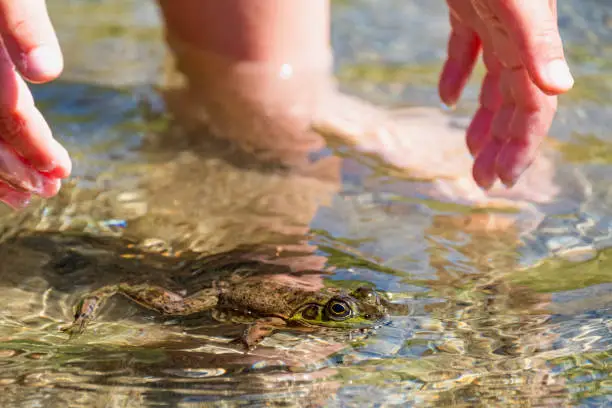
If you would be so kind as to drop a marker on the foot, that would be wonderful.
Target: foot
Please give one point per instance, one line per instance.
(429, 145)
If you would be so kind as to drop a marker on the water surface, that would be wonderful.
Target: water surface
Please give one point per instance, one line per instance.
(499, 317)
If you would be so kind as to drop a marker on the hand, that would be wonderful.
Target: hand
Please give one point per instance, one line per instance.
(526, 69)
(31, 160)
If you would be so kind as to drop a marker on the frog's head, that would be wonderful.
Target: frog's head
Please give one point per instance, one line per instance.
(360, 308)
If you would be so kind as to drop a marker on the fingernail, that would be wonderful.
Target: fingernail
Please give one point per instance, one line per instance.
(50, 187)
(559, 74)
(43, 63)
(448, 107)
(486, 187)
(485, 183)
(510, 180)
(509, 183)
(61, 166)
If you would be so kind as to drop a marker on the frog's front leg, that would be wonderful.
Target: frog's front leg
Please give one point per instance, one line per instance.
(259, 330)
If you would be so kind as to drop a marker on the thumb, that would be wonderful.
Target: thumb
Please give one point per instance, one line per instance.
(532, 27)
(30, 40)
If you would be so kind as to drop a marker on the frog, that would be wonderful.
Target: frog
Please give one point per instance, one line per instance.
(268, 304)
(235, 287)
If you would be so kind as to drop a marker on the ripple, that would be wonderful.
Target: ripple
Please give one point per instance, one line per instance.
(196, 373)
(492, 321)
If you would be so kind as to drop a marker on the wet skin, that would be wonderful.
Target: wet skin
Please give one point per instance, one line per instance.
(232, 288)
(268, 304)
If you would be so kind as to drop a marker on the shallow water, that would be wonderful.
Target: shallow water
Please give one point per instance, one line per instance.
(517, 316)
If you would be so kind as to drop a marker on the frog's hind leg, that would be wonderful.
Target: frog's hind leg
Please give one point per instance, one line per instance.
(170, 303)
(86, 309)
(149, 296)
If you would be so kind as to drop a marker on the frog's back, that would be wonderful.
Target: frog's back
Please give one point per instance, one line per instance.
(266, 295)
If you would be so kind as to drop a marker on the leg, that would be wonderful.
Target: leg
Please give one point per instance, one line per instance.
(259, 73)
(262, 328)
(149, 296)
(86, 309)
(244, 30)
(255, 68)
(256, 332)
(169, 303)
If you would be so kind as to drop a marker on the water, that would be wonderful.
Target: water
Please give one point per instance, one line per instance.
(506, 307)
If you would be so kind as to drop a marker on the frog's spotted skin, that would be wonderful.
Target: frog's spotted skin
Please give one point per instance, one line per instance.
(232, 286)
(271, 304)
(149, 296)
(240, 286)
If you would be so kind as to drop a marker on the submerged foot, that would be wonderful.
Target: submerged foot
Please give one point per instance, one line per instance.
(84, 313)
(429, 145)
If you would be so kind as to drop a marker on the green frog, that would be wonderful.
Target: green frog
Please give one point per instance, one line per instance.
(269, 305)
(234, 287)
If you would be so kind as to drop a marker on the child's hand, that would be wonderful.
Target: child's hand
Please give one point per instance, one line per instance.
(31, 160)
(526, 69)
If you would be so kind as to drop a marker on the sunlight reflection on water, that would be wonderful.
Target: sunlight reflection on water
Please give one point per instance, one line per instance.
(496, 320)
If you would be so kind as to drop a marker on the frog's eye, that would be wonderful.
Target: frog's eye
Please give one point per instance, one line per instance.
(338, 309)
(311, 312)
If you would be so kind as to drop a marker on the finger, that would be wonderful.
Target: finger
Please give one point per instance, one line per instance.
(505, 113)
(463, 50)
(532, 117)
(23, 127)
(13, 198)
(502, 106)
(479, 131)
(30, 39)
(485, 166)
(483, 171)
(531, 29)
(22, 177)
